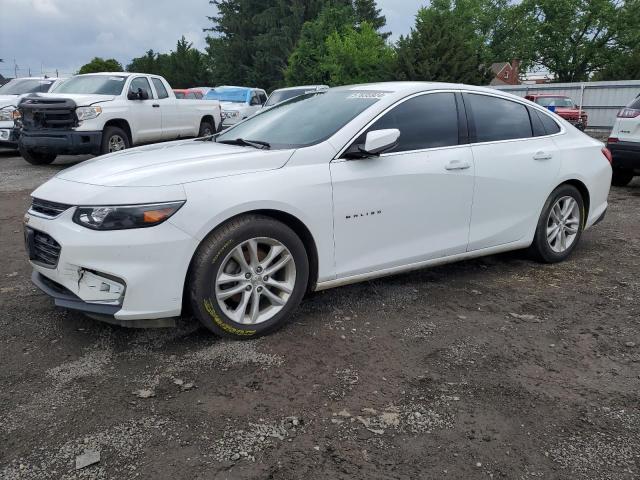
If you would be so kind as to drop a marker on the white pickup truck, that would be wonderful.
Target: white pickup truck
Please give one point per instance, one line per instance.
(107, 112)
(10, 94)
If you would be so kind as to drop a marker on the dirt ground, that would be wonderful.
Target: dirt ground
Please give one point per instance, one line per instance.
(492, 368)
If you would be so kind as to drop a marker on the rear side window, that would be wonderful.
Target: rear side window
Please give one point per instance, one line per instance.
(426, 121)
(162, 92)
(498, 119)
(551, 127)
(191, 96)
(198, 95)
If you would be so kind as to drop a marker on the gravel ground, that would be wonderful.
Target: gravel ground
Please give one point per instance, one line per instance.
(491, 368)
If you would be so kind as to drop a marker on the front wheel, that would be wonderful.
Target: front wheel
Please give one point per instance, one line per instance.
(247, 277)
(37, 158)
(560, 225)
(114, 139)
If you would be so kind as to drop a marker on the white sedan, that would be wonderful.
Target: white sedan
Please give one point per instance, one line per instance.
(316, 192)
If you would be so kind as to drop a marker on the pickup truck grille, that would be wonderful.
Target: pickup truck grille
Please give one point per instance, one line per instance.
(47, 209)
(39, 113)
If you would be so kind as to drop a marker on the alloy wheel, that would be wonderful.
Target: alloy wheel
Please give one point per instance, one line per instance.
(116, 143)
(255, 280)
(563, 224)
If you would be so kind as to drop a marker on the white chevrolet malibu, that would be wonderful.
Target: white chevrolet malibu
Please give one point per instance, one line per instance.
(319, 191)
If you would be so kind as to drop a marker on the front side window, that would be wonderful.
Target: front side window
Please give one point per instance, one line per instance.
(304, 120)
(141, 83)
(92, 84)
(498, 119)
(426, 121)
(162, 92)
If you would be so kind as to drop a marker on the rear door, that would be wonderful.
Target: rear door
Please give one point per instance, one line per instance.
(412, 203)
(146, 117)
(174, 124)
(515, 169)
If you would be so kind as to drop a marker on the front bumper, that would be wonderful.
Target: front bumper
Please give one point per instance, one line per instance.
(152, 281)
(61, 142)
(9, 137)
(626, 155)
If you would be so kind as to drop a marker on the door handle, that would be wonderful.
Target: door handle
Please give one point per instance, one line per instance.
(542, 156)
(155, 105)
(457, 165)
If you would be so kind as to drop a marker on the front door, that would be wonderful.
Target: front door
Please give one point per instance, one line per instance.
(146, 116)
(408, 205)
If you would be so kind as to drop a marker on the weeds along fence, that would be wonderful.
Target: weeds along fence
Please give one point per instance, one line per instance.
(601, 100)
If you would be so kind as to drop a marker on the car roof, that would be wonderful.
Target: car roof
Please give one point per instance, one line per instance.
(300, 87)
(546, 95)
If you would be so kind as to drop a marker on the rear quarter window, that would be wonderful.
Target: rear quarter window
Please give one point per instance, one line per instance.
(636, 103)
(551, 127)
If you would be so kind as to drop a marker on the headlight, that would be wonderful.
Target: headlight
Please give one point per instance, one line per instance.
(6, 115)
(230, 114)
(119, 217)
(87, 113)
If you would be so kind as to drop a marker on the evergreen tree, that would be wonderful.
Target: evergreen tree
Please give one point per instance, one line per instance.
(366, 11)
(442, 48)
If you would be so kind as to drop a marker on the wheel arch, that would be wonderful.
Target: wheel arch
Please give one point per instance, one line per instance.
(584, 191)
(120, 123)
(208, 118)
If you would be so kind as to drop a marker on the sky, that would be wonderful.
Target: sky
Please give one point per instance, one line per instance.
(45, 35)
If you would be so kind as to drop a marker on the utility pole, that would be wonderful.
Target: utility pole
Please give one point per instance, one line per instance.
(15, 69)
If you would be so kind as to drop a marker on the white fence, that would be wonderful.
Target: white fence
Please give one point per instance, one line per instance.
(601, 100)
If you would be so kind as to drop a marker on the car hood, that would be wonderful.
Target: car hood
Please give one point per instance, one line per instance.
(80, 99)
(174, 163)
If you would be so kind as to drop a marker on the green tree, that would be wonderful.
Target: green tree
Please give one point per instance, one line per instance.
(305, 62)
(443, 47)
(575, 38)
(98, 64)
(357, 56)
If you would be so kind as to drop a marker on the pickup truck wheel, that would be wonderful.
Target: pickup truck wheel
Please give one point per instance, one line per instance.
(621, 177)
(37, 158)
(206, 129)
(114, 139)
(247, 277)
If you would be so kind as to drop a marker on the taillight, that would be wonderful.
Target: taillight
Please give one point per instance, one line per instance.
(628, 113)
(612, 140)
(607, 153)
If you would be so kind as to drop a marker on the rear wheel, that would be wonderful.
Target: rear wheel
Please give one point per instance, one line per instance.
(206, 129)
(247, 277)
(114, 139)
(560, 225)
(37, 158)
(621, 177)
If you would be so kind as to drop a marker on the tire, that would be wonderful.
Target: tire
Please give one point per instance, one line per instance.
(621, 177)
(552, 251)
(37, 158)
(214, 264)
(206, 129)
(114, 139)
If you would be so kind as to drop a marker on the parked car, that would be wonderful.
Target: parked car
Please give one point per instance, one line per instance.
(101, 113)
(624, 143)
(283, 94)
(563, 106)
(10, 94)
(187, 94)
(203, 90)
(237, 103)
(315, 192)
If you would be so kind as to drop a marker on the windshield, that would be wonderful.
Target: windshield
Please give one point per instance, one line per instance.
(92, 84)
(304, 120)
(563, 102)
(282, 95)
(19, 86)
(235, 95)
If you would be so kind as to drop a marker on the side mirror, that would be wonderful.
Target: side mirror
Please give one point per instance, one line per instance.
(380, 141)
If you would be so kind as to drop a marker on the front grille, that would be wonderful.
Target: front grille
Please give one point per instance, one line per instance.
(44, 250)
(47, 208)
(40, 113)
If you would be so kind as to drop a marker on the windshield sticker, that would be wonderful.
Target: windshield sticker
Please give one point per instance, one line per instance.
(117, 79)
(367, 95)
